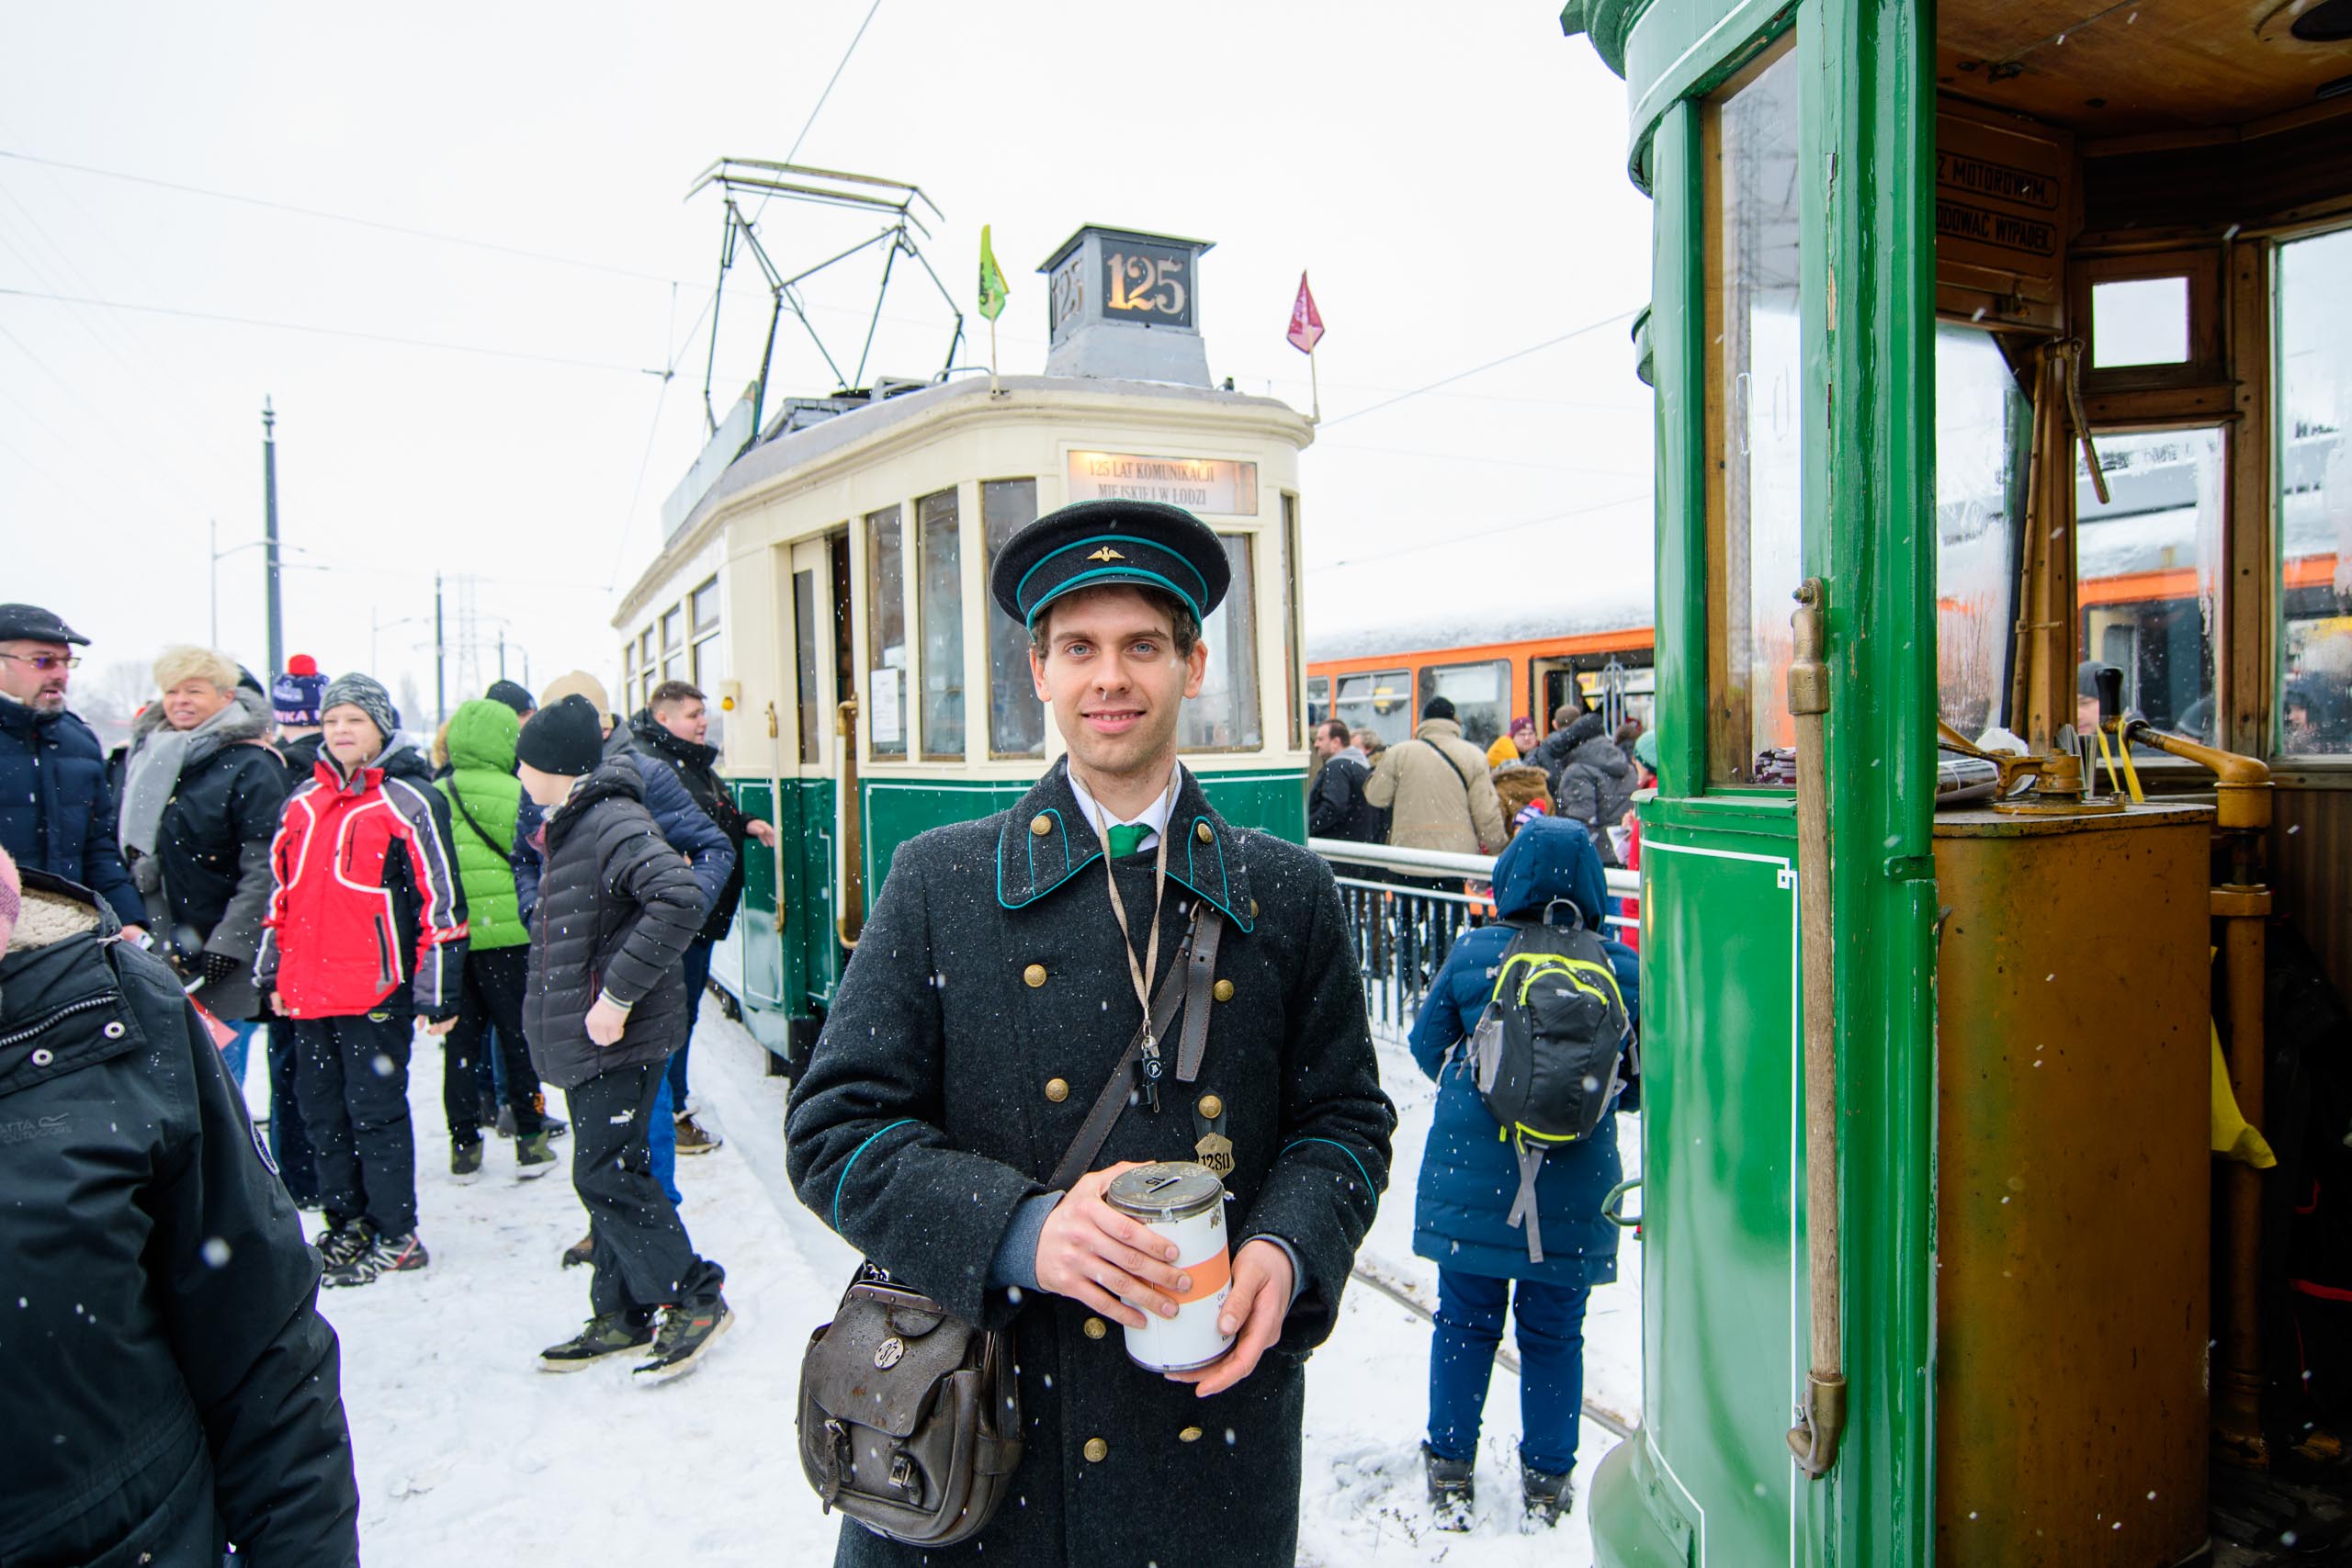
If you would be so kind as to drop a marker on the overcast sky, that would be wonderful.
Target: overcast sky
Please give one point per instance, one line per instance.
(1455, 179)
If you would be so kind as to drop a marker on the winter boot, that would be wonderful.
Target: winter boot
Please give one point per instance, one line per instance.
(686, 1332)
(385, 1255)
(465, 1157)
(581, 1251)
(692, 1138)
(532, 1158)
(1547, 1497)
(1453, 1488)
(608, 1334)
(343, 1241)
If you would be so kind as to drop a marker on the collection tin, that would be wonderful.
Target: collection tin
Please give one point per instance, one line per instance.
(1184, 1203)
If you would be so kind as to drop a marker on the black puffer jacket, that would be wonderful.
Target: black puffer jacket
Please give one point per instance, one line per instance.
(617, 908)
(169, 1381)
(1552, 752)
(696, 766)
(1595, 788)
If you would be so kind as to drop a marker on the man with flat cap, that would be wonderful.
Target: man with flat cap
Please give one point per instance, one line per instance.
(56, 811)
(993, 1010)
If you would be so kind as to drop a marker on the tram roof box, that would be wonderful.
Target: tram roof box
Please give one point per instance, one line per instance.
(1125, 306)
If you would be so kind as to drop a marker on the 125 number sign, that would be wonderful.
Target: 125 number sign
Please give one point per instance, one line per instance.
(1146, 281)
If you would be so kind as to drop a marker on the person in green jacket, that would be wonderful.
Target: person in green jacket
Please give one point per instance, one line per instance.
(484, 798)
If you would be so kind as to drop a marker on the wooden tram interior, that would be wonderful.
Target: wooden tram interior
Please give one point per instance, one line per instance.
(2143, 251)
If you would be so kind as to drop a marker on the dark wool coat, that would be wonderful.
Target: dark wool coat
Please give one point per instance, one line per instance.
(212, 848)
(170, 1382)
(616, 908)
(696, 766)
(57, 807)
(981, 1014)
(1469, 1176)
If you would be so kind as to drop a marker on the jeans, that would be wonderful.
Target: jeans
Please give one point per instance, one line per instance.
(353, 1079)
(289, 1138)
(234, 1055)
(697, 982)
(641, 1254)
(662, 1138)
(1551, 1361)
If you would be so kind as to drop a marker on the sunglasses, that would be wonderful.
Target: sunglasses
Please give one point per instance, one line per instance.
(45, 662)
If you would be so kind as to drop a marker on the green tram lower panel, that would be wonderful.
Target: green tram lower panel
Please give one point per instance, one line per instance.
(784, 957)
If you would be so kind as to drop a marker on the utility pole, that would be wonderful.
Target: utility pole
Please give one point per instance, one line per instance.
(269, 537)
(502, 653)
(440, 660)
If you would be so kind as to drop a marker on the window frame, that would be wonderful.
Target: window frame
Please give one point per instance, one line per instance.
(918, 628)
(871, 601)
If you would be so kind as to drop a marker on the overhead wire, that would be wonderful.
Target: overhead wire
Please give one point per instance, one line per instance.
(1625, 315)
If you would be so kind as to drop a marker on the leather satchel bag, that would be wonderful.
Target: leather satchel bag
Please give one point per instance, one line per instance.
(909, 1417)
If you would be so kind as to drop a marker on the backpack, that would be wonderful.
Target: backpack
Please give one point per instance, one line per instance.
(1548, 1050)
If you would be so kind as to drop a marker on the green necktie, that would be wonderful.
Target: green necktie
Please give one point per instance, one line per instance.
(1127, 838)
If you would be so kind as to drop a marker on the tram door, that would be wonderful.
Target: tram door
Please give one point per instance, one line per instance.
(810, 760)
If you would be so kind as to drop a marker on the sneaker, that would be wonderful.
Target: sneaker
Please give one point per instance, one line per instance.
(1547, 1497)
(1453, 1489)
(465, 1157)
(581, 1252)
(608, 1334)
(385, 1255)
(692, 1137)
(685, 1333)
(532, 1158)
(342, 1242)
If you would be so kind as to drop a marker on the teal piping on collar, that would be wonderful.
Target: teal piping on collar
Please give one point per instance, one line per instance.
(1224, 881)
(1122, 539)
(1056, 813)
(902, 1122)
(1335, 1144)
(1123, 574)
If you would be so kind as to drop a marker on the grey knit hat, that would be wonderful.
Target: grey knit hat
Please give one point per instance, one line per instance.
(368, 694)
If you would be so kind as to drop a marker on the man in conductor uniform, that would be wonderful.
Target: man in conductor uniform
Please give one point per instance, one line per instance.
(988, 1001)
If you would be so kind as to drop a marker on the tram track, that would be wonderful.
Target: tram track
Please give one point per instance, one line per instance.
(1378, 1276)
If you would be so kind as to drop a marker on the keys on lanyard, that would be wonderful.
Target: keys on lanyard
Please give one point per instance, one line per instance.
(1149, 1067)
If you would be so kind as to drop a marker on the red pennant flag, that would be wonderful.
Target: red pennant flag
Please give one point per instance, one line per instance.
(1305, 322)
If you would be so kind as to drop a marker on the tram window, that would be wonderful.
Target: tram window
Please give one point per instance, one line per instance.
(1480, 693)
(1224, 717)
(811, 706)
(1318, 701)
(1755, 392)
(2148, 571)
(703, 605)
(1983, 426)
(710, 665)
(673, 643)
(2140, 320)
(1379, 700)
(939, 613)
(1016, 719)
(2314, 339)
(1293, 623)
(886, 633)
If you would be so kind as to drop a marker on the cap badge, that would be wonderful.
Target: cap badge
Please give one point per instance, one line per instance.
(1106, 554)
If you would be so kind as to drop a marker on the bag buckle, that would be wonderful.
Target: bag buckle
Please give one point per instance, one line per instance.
(904, 1478)
(838, 1461)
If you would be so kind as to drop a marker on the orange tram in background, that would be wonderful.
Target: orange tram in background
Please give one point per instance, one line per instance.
(1378, 683)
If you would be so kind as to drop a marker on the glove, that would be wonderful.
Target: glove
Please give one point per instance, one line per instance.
(218, 968)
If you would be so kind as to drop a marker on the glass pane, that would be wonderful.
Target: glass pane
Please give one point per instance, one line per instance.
(1984, 427)
(2140, 320)
(1379, 700)
(709, 668)
(1319, 699)
(1758, 392)
(1016, 719)
(645, 647)
(886, 633)
(939, 607)
(1480, 694)
(703, 606)
(1224, 717)
(673, 628)
(2316, 521)
(2148, 572)
(812, 702)
(1294, 624)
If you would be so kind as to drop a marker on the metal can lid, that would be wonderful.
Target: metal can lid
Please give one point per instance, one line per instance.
(1171, 1190)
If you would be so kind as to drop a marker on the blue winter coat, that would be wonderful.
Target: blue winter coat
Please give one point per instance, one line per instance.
(1468, 1174)
(56, 808)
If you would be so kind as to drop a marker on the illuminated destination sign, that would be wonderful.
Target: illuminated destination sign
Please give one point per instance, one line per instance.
(1196, 484)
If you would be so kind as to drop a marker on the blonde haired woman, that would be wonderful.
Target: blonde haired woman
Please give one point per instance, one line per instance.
(202, 794)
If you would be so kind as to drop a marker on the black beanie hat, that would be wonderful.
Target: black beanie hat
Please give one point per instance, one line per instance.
(567, 740)
(513, 696)
(1438, 707)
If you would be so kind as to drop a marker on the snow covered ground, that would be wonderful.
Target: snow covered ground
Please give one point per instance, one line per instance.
(465, 1449)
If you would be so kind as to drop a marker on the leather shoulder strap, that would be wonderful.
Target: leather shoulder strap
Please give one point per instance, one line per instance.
(1119, 1089)
(1449, 760)
(1199, 976)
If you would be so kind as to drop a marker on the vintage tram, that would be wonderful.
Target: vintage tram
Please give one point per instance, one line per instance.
(2001, 365)
(825, 585)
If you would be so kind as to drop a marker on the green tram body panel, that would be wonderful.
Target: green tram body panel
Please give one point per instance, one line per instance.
(784, 956)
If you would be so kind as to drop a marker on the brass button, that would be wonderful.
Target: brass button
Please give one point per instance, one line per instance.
(1057, 1090)
(1097, 1450)
(1212, 1106)
(1095, 1327)
(1222, 990)
(1034, 975)
(1253, 909)
(1189, 1435)
(1041, 825)
(1201, 831)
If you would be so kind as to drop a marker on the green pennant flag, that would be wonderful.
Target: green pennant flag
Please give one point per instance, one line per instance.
(994, 293)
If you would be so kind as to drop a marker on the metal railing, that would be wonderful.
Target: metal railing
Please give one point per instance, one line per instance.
(1405, 908)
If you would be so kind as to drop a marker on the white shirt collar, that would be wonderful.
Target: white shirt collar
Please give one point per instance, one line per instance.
(1153, 818)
